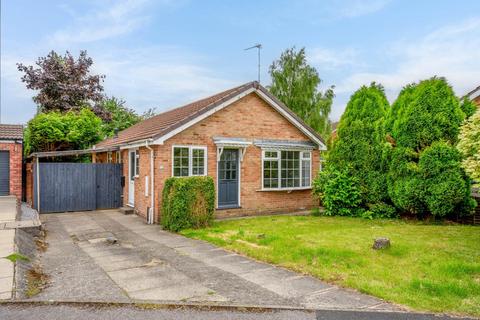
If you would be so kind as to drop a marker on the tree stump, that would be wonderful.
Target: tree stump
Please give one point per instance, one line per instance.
(381, 243)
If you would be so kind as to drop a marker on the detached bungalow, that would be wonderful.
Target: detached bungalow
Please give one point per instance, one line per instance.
(261, 156)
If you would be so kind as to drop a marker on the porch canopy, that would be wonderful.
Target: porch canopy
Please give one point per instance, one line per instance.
(237, 143)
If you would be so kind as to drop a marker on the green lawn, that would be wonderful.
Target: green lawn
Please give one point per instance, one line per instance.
(429, 267)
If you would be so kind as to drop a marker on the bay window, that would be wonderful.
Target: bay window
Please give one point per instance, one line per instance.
(189, 161)
(286, 169)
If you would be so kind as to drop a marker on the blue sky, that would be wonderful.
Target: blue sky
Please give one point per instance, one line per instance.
(165, 53)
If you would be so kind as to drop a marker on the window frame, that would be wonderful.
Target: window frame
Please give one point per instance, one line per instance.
(190, 160)
(118, 157)
(109, 157)
(137, 163)
(278, 158)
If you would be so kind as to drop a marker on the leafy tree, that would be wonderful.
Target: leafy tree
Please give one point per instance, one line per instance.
(360, 143)
(54, 131)
(296, 84)
(469, 145)
(121, 117)
(424, 173)
(64, 83)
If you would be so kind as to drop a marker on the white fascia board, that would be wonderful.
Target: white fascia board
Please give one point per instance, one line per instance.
(294, 121)
(135, 144)
(162, 139)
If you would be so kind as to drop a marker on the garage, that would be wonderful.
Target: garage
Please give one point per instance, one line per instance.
(4, 173)
(11, 155)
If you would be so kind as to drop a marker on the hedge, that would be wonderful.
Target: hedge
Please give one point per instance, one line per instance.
(187, 202)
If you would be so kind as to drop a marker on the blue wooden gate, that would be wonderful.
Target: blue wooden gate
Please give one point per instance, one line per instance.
(77, 186)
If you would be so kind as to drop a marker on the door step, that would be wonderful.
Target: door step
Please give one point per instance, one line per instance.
(126, 210)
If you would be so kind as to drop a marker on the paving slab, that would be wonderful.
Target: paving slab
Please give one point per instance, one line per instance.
(151, 264)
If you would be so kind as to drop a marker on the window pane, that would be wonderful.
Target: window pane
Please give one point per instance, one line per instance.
(305, 173)
(271, 154)
(270, 174)
(180, 162)
(132, 165)
(290, 161)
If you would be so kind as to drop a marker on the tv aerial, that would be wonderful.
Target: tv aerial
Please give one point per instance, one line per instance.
(259, 47)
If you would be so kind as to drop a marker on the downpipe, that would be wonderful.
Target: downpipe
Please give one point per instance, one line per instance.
(150, 212)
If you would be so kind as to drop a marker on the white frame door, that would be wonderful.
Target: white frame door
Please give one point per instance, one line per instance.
(132, 158)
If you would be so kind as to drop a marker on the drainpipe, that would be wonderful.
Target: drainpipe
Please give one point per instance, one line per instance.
(150, 212)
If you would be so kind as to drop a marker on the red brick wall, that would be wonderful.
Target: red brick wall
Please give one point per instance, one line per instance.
(249, 118)
(15, 167)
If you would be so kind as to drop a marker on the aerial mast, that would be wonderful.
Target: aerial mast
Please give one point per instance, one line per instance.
(259, 47)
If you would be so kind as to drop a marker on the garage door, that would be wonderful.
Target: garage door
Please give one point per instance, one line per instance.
(4, 173)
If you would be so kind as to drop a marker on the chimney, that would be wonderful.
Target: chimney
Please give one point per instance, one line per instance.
(115, 133)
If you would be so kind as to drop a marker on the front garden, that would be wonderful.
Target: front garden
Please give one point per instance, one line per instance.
(430, 267)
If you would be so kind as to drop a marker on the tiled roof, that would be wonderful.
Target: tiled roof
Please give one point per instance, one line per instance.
(168, 121)
(11, 132)
(473, 94)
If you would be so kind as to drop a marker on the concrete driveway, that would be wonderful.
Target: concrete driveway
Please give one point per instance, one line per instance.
(149, 264)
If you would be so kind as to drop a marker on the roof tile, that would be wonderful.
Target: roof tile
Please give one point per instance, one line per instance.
(11, 132)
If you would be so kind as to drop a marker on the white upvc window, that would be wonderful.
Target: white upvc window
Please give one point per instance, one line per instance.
(189, 161)
(118, 157)
(137, 163)
(286, 169)
(109, 157)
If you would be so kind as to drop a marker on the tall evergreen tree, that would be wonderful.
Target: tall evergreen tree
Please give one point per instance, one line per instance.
(360, 145)
(425, 175)
(296, 84)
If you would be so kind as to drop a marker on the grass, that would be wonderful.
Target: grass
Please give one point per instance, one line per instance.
(429, 267)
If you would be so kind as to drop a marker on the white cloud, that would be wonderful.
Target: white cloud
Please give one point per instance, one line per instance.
(161, 77)
(357, 8)
(452, 51)
(332, 59)
(121, 17)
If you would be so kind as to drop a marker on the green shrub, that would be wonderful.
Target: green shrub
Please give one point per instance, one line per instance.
(446, 186)
(187, 203)
(382, 210)
(339, 192)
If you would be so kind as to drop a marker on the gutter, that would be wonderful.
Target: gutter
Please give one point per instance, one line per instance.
(151, 211)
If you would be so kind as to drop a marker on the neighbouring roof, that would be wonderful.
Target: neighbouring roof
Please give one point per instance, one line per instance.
(335, 125)
(475, 93)
(11, 132)
(168, 121)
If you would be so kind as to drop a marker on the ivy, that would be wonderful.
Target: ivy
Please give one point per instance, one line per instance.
(187, 202)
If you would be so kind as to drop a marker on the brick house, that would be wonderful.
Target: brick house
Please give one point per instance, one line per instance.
(11, 151)
(261, 156)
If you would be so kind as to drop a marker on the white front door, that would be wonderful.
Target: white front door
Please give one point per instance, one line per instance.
(132, 164)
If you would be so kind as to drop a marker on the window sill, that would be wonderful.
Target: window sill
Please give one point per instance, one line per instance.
(228, 207)
(285, 189)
